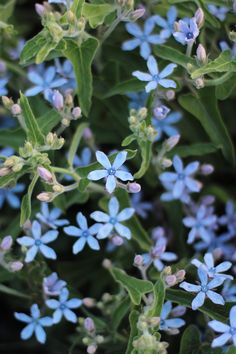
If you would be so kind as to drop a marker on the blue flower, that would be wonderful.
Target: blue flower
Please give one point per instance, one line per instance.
(38, 243)
(204, 289)
(44, 79)
(3, 83)
(141, 208)
(229, 219)
(6, 152)
(52, 285)
(218, 11)
(66, 70)
(143, 38)
(155, 78)
(158, 254)
(8, 195)
(229, 291)
(212, 270)
(217, 243)
(84, 159)
(63, 307)
(171, 325)
(166, 24)
(84, 233)
(200, 225)
(51, 218)
(111, 171)
(160, 111)
(138, 99)
(113, 220)
(35, 324)
(67, 3)
(228, 330)
(224, 46)
(15, 52)
(182, 178)
(168, 195)
(164, 126)
(187, 31)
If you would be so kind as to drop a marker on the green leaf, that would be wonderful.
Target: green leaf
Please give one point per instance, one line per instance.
(224, 90)
(136, 288)
(231, 350)
(81, 57)
(190, 341)
(44, 51)
(159, 298)
(6, 181)
(76, 7)
(6, 10)
(120, 312)
(9, 291)
(146, 154)
(133, 320)
(96, 13)
(132, 85)
(223, 63)
(26, 202)
(204, 107)
(173, 55)
(12, 137)
(32, 47)
(128, 140)
(75, 142)
(49, 120)
(198, 149)
(33, 131)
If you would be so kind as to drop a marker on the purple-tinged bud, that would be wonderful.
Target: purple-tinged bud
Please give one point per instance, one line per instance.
(3, 66)
(200, 17)
(206, 169)
(165, 163)
(161, 112)
(16, 109)
(6, 243)
(201, 54)
(89, 324)
(45, 197)
(76, 112)
(91, 349)
(40, 9)
(180, 275)
(136, 14)
(138, 260)
(57, 100)
(89, 302)
(170, 280)
(158, 233)
(16, 266)
(171, 142)
(117, 240)
(208, 199)
(178, 311)
(107, 263)
(133, 187)
(45, 174)
(87, 134)
(4, 171)
(170, 95)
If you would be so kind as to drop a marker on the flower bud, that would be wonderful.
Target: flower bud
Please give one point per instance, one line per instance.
(171, 142)
(176, 26)
(4, 171)
(170, 95)
(206, 169)
(16, 109)
(89, 302)
(200, 17)
(136, 14)
(87, 134)
(133, 187)
(45, 174)
(91, 349)
(117, 240)
(76, 112)
(3, 66)
(165, 163)
(170, 280)
(89, 324)
(40, 9)
(138, 260)
(99, 339)
(65, 122)
(6, 243)
(16, 266)
(7, 102)
(160, 112)
(180, 275)
(106, 263)
(68, 100)
(178, 311)
(201, 54)
(58, 188)
(57, 100)
(45, 196)
(199, 82)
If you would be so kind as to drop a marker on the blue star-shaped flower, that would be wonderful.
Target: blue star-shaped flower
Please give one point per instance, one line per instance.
(137, 99)
(228, 331)
(141, 208)
(166, 24)
(224, 46)
(212, 270)
(143, 38)
(218, 11)
(229, 291)
(51, 218)
(10, 196)
(38, 243)
(154, 78)
(52, 285)
(63, 307)
(111, 171)
(84, 233)
(113, 220)
(170, 325)
(188, 31)
(164, 126)
(66, 71)
(229, 219)
(3, 83)
(204, 289)
(35, 324)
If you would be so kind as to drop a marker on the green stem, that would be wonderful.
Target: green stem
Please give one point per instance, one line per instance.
(189, 49)
(219, 80)
(15, 68)
(65, 171)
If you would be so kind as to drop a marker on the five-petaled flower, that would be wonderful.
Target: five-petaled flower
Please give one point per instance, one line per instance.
(35, 324)
(228, 331)
(164, 126)
(166, 24)
(63, 307)
(218, 11)
(113, 220)
(204, 289)
(143, 38)
(154, 77)
(9, 195)
(187, 32)
(38, 243)
(84, 233)
(51, 218)
(111, 171)
(168, 322)
(52, 285)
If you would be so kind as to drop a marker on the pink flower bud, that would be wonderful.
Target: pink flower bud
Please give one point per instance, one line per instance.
(89, 324)
(4, 171)
(45, 174)
(200, 17)
(201, 54)
(6, 243)
(57, 100)
(171, 142)
(89, 302)
(16, 266)
(136, 14)
(206, 169)
(76, 112)
(170, 95)
(117, 240)
(170, 280)
(180, 275)
(40, 9)
(92, 349)
(133, 187)
(87, 134)
(107, 263)
(16, 109)
(138, 260)
(44, 197)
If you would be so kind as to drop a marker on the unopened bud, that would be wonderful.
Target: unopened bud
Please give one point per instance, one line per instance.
(170, 280)
(206, 169)
(91, 349)
(180, 275)
(133, 187)
(58, 188)
(45, 174)
(16, 109)
(171, 142)
(57, 100)
(201, 54)
(87, 134)
(6, 243)
(89, 302)
(45, 196)
(16, 266)
(165, 163)
(40, 9)
(99, 339)
(106, 263)
(138, 260)
(199, 82)
(81, 24)
(178, 311)
(4, 171)
(136, 14)
(200, 17)
(68, 100)
(89, 324)
(170, 95)
(117, 240)
(160, 112)
(176, 26)
(76, 112)
(142, 113)
(65, 122)
(7, 102)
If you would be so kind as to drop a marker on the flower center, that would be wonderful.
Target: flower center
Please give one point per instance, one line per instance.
(232, 330)
(156, 78)
(181, 176)
(204, 288)
(85, 233)
(143, 38)
(112, 221)
(62, 307)
(111, 171)
(189, 35)
(38, 242)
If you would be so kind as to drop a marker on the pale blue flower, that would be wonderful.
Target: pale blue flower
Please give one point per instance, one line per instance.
(188, 31)
(63, 307)
(168, 195)
(164, 126)
(212, 270)
(38, 243)
(142, 38)
(66, 71)
(6, 152)
(84, 159)
(9, 195)
(200, 225)
(229, 291)
(15, 52)
(111, 171)
(204, 289)
(3, 83)
(228, 331)
(224, 46)
(168, 323)
(217, 243)
(154, 77)
(35, 324)
(160, 111)
(229, 219)
(84, 234)
(51, 218)
(52, 285)
(218, 11)
(166, 24)
(44, 79)
(113, 220)
(141, 208)
(7, 122)
(137, 99)
(182, 178)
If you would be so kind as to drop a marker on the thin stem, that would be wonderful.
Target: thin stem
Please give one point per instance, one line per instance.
(189, 49)
(219, 80)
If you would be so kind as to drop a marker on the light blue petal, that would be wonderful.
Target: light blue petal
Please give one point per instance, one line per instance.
(119, 160)
(190, 287)
(168, 177)
(79, 245)
(178, 164)
(96, 175)
(192, 185)
(93, 230)
(167, 83)
(104, 231)
(142, 76)
(131, 44)
(145, 50)
(40, 334)
(134, 29)
(191, 168)
(175, 323)
(168, 70)
(125, 214)
(152, 66)
(34, 77)
(149, 26)
(100, 216)
(25, 241)
(27, 332)
(198, 301)
(232, 317)
(49, 236)
(123, 231)
(166, 309)
(70, 315)
(49, 74)
(124, 176)
(36, 229)
(180, 37)
(35, 311)
(172, 14)
(156, 39)
(93, 243)
(202, 274)
(48, 252)
(74, 303)
(103, 159)
(152, 85)
(82, 221)
(72, 231)
(221, 340)
(57, 316)
(218, 326)
(215, 298)
(33, 91)
(178, 188)
(113, 206)
(22, 317)
(110, 184)
(31, 253)
(217, 281)
(52, 304)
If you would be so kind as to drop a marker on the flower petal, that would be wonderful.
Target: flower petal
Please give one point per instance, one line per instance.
(31, 253)
(48, 252)
(103, 159)
(110, 184)
(198, 301)
(123, 231)
(96, 175)
(79, 245)
(49, 236)
(125, 214)
(82, 221)
(119, 160)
